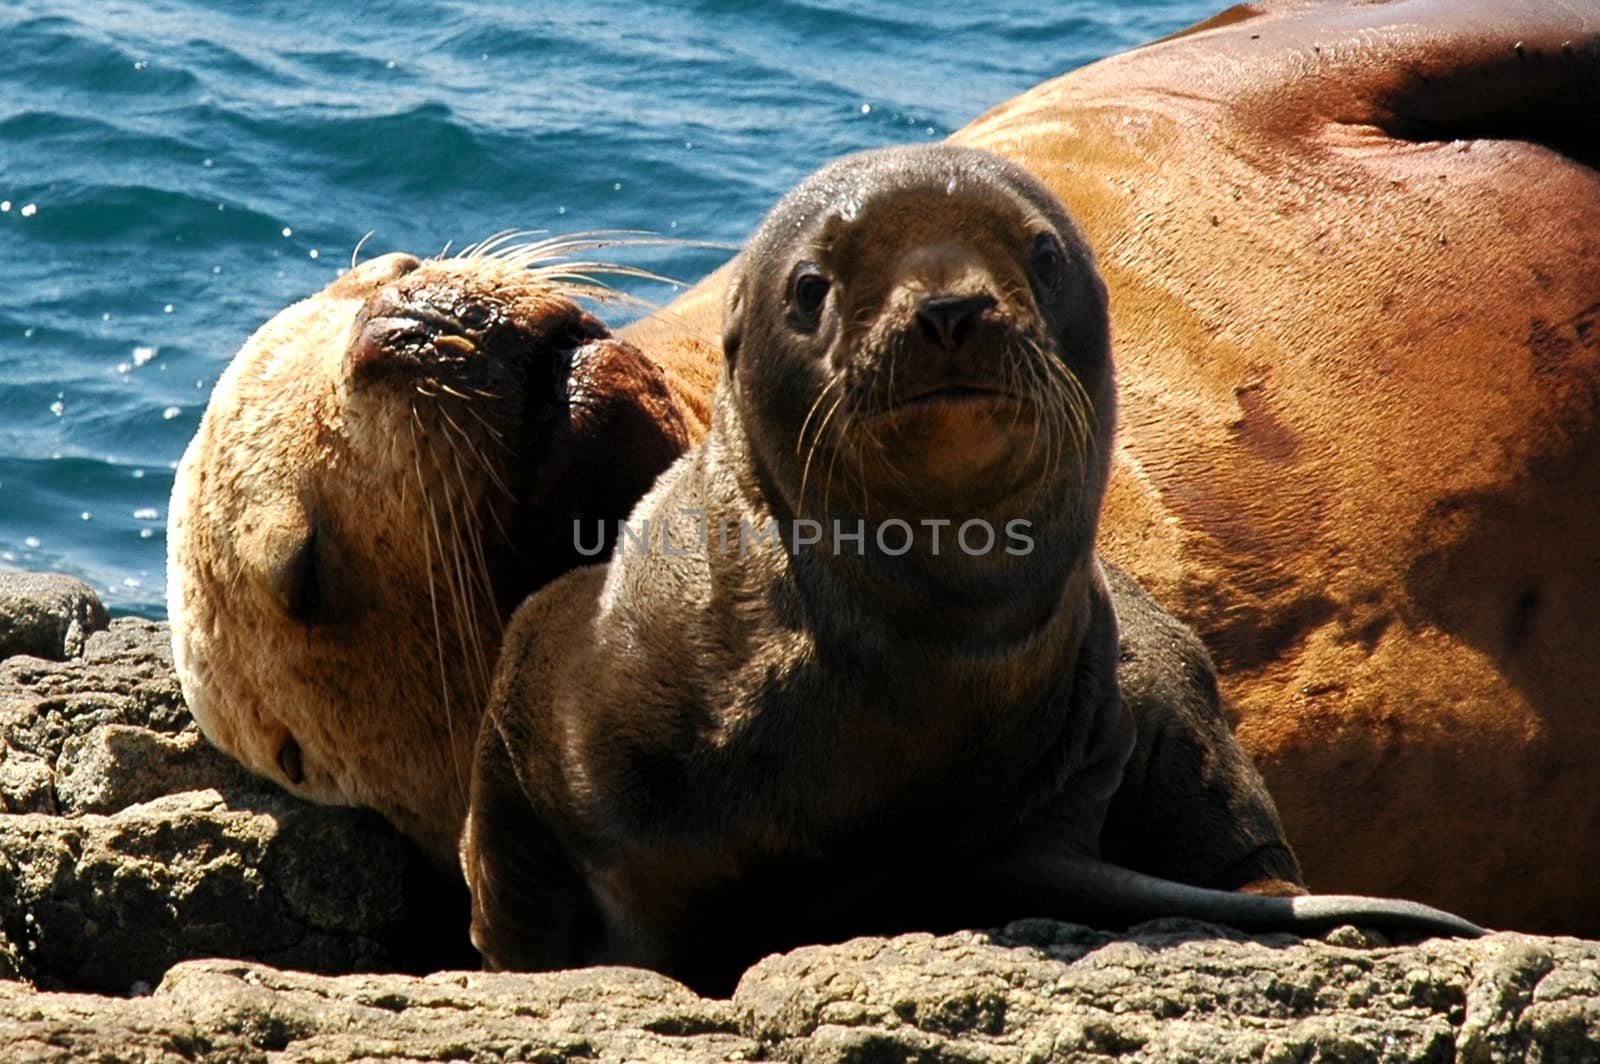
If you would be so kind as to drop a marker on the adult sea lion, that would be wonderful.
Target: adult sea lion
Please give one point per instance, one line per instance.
(1351, 254)
(828, 725)
(382, 474)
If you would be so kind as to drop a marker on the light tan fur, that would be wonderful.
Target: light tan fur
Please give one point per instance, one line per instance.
(274, 440)
(394, 500)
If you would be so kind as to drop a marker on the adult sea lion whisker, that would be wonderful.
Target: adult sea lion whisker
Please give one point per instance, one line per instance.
(459, 438)
(355, 252)
(460, 600)
(471, 583)
(486, 247)
(566, 270)
(495, 436)
(531, 253)
(446, 710)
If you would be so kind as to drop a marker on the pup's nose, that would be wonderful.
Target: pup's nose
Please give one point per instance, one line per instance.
(946, 320)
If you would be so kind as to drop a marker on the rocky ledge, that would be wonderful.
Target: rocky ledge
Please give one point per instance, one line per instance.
(159, 904)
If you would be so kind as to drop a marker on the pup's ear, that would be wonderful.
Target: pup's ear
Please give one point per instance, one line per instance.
(733, 323)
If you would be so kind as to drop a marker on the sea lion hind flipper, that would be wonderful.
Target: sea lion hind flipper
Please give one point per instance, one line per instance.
(1071, 887)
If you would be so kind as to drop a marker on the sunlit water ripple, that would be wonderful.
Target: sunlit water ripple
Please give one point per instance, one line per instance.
(170, 176)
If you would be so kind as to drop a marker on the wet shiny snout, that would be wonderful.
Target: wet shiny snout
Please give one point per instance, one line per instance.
(946, 320)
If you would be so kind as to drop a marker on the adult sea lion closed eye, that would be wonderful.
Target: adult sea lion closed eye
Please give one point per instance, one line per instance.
(383, 472)
(701, 752)
(1351, 252)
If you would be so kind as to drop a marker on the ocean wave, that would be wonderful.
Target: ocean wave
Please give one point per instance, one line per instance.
(172, 173)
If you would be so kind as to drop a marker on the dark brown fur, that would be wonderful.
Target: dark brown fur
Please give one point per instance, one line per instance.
(693, 758)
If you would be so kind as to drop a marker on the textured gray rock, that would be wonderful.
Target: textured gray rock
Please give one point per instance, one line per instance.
(1037, 991)
(106, 902)
(129, 848)
(1174, 990)
(47, 615)
(226, 1011)
(127, 843)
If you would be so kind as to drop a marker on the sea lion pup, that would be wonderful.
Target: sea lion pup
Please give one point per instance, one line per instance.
(383, 472)
(1351, 253)
(900, 711)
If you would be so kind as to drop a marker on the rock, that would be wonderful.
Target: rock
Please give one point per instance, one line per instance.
(47, 615)
(124, 676)
(10, 959)
(118, 765)
(130, 844)
(1173, 990)
(27, 784)
(130, 849)
(104, 730)
(226, 1011)
(1167, 991)
(104, 902)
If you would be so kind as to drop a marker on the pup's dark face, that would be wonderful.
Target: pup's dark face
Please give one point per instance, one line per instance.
(924, 330)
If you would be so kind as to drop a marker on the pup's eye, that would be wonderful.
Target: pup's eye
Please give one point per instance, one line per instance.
(1046, 263)
(808, 292)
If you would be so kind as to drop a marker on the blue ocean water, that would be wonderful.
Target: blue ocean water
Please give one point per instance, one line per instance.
(173, 173)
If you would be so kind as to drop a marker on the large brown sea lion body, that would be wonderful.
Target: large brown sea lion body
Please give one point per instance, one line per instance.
(1351, 257)
(383, 472)
(718, 746)
(1353, 252)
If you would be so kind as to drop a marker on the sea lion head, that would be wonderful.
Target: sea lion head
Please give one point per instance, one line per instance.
(933, 317)
(383, 472)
